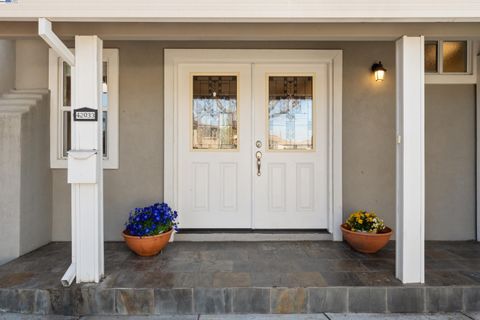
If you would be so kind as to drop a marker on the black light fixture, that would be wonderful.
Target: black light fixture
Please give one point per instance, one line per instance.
(379, 71)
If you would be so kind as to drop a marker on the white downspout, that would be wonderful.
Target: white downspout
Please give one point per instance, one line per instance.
(69, 276)
(46, 33)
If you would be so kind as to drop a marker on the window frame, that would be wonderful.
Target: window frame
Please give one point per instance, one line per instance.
(55, 84)
(440, 77)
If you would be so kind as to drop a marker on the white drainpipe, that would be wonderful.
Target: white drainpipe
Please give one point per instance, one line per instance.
(69, 276)
(46, 33)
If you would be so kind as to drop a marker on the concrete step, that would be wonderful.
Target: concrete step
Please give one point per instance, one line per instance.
(251, 236)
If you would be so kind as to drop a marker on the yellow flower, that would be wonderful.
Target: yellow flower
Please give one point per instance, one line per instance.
(360, 221)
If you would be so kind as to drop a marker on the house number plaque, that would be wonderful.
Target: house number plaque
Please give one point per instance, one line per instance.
(85, 114)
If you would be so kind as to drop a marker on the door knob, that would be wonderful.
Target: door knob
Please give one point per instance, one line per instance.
(258, 155)
(258, 144)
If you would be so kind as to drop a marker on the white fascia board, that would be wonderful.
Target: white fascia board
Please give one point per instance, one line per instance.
(244, 11)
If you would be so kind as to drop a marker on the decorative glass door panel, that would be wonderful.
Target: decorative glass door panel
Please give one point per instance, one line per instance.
(290, 112)
(214, 112)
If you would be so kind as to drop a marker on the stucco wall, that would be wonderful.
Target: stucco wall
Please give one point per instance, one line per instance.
(450, 162)
(7, 65)
(10, 126)
(36, 178)
(25, 185)
(31, 64)
(368, 138)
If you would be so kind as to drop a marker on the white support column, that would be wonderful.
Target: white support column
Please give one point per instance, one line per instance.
(85, 170)
(410, 168)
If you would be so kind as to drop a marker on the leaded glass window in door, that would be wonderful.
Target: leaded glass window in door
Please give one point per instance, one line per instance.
(290, 112)
(214, 112)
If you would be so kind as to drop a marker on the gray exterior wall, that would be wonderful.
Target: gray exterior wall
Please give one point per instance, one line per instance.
(36, 179)
(7, 65)
(10, 159)
(368, 139)
(31, 64)
(25, 185)
(450, 162)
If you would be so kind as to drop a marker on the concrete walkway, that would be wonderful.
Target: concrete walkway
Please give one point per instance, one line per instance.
(324, 316)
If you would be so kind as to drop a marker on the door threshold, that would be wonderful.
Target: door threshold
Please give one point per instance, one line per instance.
(207, 235)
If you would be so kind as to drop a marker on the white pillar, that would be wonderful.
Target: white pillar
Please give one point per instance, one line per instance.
(85, 170)
(410, 167)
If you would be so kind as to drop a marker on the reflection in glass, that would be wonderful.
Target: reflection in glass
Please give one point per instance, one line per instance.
(214, 112)
(290, 113)
(454, 56)
(105, 85)
(67, 85)
(105, 133)
(67, 129)
(431, 56)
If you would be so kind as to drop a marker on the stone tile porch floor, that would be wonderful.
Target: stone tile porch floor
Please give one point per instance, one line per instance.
(326, 316)
(244, 277)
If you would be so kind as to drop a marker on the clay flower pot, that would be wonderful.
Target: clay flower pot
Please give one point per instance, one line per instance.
(366, 242)
(149, 245)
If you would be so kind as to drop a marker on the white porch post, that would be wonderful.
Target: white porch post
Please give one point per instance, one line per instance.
(85, 170)
(410, 167)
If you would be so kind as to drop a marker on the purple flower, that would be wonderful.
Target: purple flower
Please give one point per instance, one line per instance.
(151, 220)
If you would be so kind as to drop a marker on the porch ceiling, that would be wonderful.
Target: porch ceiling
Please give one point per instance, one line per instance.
(244, 31)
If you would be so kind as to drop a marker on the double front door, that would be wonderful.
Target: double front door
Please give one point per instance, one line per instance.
(252, 145)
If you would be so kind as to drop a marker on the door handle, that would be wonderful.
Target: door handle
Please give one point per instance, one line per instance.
(258, 155)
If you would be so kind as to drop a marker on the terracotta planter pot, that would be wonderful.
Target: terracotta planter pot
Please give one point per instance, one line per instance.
(147, 246)
(366, 242)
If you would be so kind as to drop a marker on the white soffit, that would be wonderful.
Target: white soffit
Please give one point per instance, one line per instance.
(244, 10)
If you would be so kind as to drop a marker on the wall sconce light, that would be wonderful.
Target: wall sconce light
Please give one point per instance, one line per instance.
(379, 71)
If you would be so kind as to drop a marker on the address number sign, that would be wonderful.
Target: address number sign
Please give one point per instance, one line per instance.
(85, 114)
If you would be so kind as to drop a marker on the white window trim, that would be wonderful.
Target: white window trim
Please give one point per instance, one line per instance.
(469, 77)
(57, 161)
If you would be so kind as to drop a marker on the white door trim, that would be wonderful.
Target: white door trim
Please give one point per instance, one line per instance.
(333, 58)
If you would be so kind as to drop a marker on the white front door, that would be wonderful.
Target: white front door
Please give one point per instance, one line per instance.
(253, 144)
(291, 134)
(214, 141)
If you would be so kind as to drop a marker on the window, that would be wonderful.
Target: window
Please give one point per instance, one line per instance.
(431, 56)
(449, 61)
(290, 113)
(60, 85)
(214, 112)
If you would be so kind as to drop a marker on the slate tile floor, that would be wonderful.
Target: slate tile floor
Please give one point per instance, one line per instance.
(248, 264)
(249, 277)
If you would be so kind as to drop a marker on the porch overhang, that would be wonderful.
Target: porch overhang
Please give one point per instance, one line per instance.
(244, 11)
